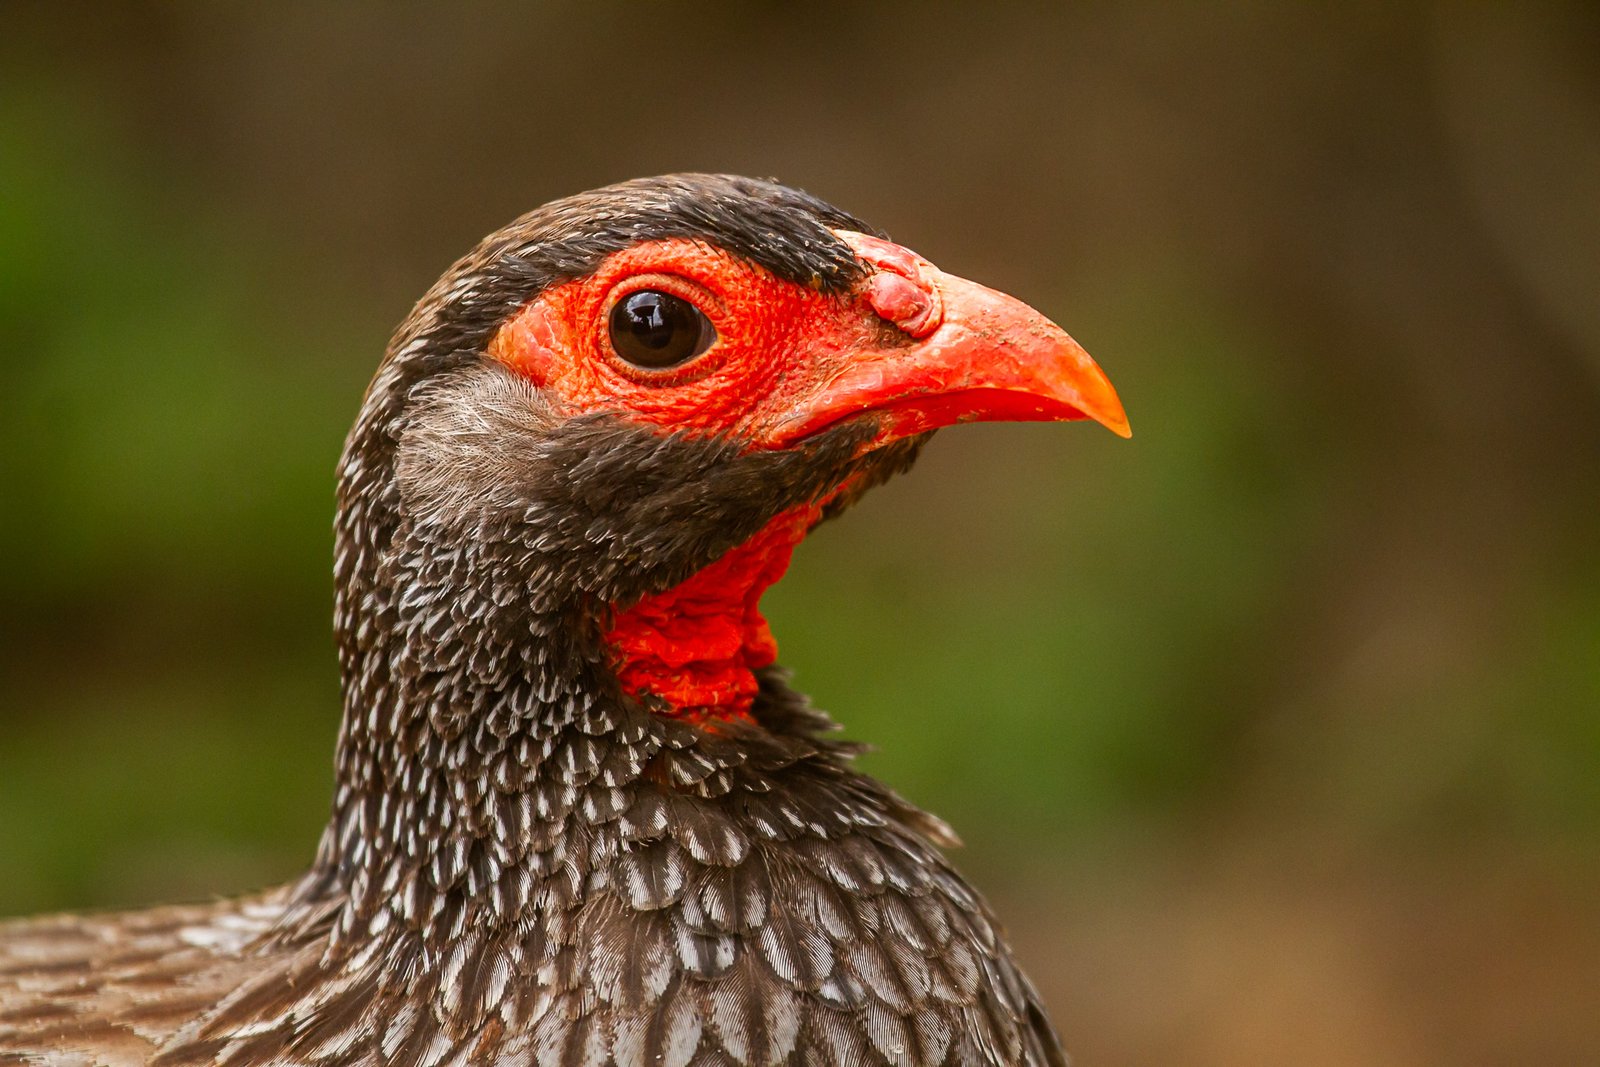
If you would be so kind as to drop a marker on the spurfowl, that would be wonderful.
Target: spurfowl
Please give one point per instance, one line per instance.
(580, 817)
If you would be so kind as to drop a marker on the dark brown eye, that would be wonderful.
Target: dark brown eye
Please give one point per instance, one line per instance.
(655, 330)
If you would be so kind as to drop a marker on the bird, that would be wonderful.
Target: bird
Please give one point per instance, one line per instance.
(580, 816)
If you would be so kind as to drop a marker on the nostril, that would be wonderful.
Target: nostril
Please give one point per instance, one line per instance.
(914, 308)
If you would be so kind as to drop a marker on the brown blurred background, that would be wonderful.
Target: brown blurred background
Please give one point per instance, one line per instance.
(1273, 732)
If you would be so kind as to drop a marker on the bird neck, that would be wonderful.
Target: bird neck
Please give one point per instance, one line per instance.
(509, 687)
(487, 729)
(692, 651)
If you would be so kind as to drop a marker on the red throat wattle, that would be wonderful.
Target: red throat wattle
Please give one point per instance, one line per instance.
(697, 645)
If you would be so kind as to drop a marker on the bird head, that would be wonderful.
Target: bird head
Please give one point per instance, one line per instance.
(599, 436)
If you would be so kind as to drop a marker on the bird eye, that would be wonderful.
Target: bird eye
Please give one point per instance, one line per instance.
(655, 330)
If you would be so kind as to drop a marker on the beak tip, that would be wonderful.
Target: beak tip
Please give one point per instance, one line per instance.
(1105, 407)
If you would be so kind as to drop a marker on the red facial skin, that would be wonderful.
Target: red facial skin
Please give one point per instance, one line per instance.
(775, 340)
(915, 347)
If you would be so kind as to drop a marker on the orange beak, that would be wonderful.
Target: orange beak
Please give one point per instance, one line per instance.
(966, 354)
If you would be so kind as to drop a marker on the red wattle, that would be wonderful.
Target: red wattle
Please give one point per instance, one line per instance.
(697, 645)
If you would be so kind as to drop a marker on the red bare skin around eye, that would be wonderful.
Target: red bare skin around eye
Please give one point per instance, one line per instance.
(695, 645)
(774, 339)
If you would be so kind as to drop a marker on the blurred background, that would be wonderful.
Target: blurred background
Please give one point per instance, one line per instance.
(1274, 732)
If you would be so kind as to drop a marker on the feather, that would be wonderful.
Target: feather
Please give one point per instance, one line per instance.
(653, 876)
(672, 1034)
